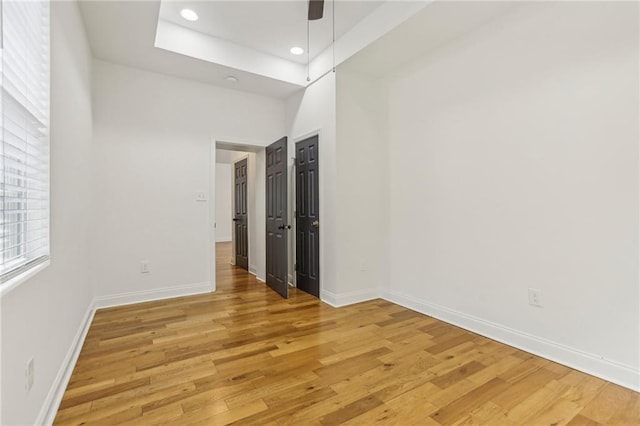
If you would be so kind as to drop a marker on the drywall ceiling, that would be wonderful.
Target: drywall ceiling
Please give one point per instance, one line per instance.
(247, 40)
(429, 29)
(271, 27)
(123, 32)
(250, 40)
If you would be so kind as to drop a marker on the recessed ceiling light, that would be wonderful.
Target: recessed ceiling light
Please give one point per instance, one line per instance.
(231, 79)
(297, 50)
(189, 15)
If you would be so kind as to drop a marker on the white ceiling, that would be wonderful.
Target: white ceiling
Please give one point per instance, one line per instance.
(272, 27)
(251, 39)
(433, 27)
(123, 32)
(247, 38)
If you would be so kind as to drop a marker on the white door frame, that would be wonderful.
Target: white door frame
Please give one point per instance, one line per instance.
(243, 146)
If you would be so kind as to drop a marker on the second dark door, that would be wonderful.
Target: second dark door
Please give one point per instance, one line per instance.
(240, 214)
(307, 217)
(277, 226)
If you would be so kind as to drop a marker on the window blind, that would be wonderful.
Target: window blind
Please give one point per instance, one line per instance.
(24, 126)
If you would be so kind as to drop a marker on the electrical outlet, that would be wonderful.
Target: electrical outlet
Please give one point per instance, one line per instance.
(144, 267)
(29, 375)
(363, 265)
(535, 297)
(201, 196)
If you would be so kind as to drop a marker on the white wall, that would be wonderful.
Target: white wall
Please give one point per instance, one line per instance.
(226, 156)
(307, 113)
(153, 148)
(353, 182)
(42, 316)
(514, 164)
(223, 184)
(363, 183)
(256, 183)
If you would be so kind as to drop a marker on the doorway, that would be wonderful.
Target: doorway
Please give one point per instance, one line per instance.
(224, 156)
(307, 216)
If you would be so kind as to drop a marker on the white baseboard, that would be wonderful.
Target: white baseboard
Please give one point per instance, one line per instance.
(338, 300)
(50, 406)
(253, 270)
(595, 365)
(255, 274)
(151, 295)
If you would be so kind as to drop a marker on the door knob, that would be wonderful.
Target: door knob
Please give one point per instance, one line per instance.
(315, 223)
(235, 220)
(284, 227)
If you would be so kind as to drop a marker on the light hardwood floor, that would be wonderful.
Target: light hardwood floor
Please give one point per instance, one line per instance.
(245, 356)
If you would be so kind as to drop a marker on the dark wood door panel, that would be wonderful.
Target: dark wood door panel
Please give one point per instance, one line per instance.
(241, 216)
(276, 211)
(307, 216)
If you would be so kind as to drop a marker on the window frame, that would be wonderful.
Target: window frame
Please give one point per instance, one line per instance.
(25, 155)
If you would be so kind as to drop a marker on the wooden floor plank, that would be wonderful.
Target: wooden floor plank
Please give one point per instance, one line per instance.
(243, 355)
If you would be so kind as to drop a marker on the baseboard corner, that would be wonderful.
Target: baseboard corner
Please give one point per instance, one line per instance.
(338, 300)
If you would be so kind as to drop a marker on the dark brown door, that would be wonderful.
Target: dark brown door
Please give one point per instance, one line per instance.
(240, 214)
(307, 217)
(277, 226)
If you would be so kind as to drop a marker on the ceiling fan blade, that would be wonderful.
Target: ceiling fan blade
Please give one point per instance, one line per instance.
(316, 8)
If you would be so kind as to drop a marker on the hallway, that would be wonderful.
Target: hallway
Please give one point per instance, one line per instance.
(243, 354)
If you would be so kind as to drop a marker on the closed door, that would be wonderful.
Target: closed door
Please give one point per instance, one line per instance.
(277, 226)
(240, 218)
(307, 217)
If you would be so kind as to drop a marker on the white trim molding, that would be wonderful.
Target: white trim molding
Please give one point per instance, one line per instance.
(13, 283)
(255, 274)
(338, 300)
(609, 370)
(151, 295)
(50, 406)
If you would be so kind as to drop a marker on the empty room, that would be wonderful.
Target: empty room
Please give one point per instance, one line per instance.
(326, 212)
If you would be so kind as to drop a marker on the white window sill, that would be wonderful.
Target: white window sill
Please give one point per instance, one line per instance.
(14, 282)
